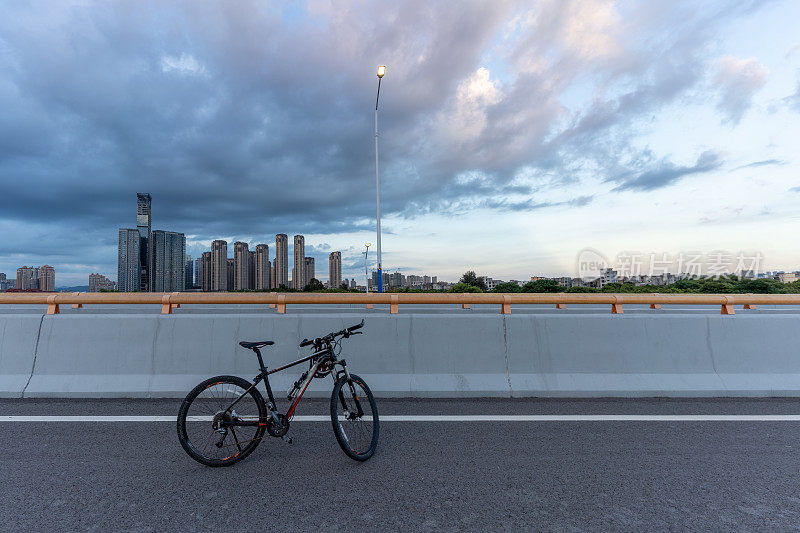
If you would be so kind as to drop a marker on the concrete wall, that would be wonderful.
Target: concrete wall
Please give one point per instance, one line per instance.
(443, 354)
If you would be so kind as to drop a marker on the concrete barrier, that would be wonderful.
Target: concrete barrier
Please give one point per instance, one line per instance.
(18, 337)
(443, 354)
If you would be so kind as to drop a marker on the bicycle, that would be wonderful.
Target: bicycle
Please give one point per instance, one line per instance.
(224, 418)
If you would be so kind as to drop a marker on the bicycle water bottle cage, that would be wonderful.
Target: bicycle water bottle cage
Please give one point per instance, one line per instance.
(296, 386)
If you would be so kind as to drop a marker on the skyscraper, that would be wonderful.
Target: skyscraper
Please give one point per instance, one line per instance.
(281, 260)
(189, 273)
(231, 274)
(168, 252)
(309, 273)
(298, 272)
(47, 278)
(219, 266)
(205, 271)
(128, 261)
(334, 270)
(241, 266)
(143, 211)
(27, 278)
(198, 271)
(251, 270)
(262, 268)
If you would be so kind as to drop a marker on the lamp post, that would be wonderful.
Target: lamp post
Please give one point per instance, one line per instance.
(366, 266)
(381, 72)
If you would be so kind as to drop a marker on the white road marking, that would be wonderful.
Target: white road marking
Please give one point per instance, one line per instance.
(432, 418)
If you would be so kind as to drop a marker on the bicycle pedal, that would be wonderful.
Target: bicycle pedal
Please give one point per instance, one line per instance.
(286, 439)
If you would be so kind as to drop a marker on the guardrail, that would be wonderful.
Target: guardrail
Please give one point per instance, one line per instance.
(279, 300)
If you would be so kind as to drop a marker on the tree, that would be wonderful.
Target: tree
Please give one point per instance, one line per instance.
(582, 289)
(464, 287)
(470, 278)
(314, 285)
(508, 286)
(542, 285)
(763, 286)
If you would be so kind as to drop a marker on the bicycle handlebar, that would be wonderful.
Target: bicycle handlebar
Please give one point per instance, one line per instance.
(357, 326)
(330, 336)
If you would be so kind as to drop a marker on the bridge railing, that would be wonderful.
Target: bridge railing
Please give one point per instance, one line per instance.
(505, 301)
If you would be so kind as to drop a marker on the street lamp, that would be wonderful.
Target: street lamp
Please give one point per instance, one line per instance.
(366, 266)
(381, 73)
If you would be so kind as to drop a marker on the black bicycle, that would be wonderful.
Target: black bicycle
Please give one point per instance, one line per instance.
(224, 418)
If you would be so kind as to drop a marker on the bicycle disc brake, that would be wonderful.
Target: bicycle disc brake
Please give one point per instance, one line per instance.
(275, 430)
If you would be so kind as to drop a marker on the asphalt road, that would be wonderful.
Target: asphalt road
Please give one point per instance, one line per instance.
(558, 476)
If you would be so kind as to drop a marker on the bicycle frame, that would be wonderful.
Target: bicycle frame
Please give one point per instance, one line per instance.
(325, 355)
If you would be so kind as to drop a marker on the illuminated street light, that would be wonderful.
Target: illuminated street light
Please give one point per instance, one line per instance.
(381, 72)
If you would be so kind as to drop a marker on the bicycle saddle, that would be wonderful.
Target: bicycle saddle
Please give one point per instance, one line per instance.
(257, 344)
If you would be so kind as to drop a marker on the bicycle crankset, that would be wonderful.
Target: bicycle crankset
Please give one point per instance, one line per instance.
(274, 429)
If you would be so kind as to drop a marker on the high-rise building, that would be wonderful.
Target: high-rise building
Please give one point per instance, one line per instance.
(262, 268)
(189, 273)
(281, 265)
(299, 270)
(241, 266)
(198, 272)
(205, 271)
(27, 278)
(384, 278)
(397, 279)
(98, 282)
(128, 261)
(168, 269)
(334, 270)
(309, 272)
(156, 266)
(219, 266)
(143, 223)
(47, 278)
(231, 274)
(251, 270)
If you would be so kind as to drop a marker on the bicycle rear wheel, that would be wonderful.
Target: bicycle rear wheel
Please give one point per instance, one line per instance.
(354, 415)
(204, 416)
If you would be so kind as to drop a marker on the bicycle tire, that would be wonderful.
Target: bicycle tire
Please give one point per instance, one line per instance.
(338, 397)
(252, 443)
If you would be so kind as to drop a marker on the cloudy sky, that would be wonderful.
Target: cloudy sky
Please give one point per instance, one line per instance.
(514, 134)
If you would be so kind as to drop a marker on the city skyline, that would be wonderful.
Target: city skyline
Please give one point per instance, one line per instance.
(546, 128)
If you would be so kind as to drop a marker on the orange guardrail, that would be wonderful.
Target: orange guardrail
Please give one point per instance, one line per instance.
(280, 300)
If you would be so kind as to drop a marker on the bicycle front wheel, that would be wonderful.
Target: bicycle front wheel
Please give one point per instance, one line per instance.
(354, 415)
(208, 421)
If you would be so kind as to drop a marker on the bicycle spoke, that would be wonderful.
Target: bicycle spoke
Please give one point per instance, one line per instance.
(210, 412)
(233, 432)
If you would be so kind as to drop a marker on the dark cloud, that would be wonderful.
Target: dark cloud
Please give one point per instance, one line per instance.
(531, 205)
(250, 118)
(764, 163)
(667, 173)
